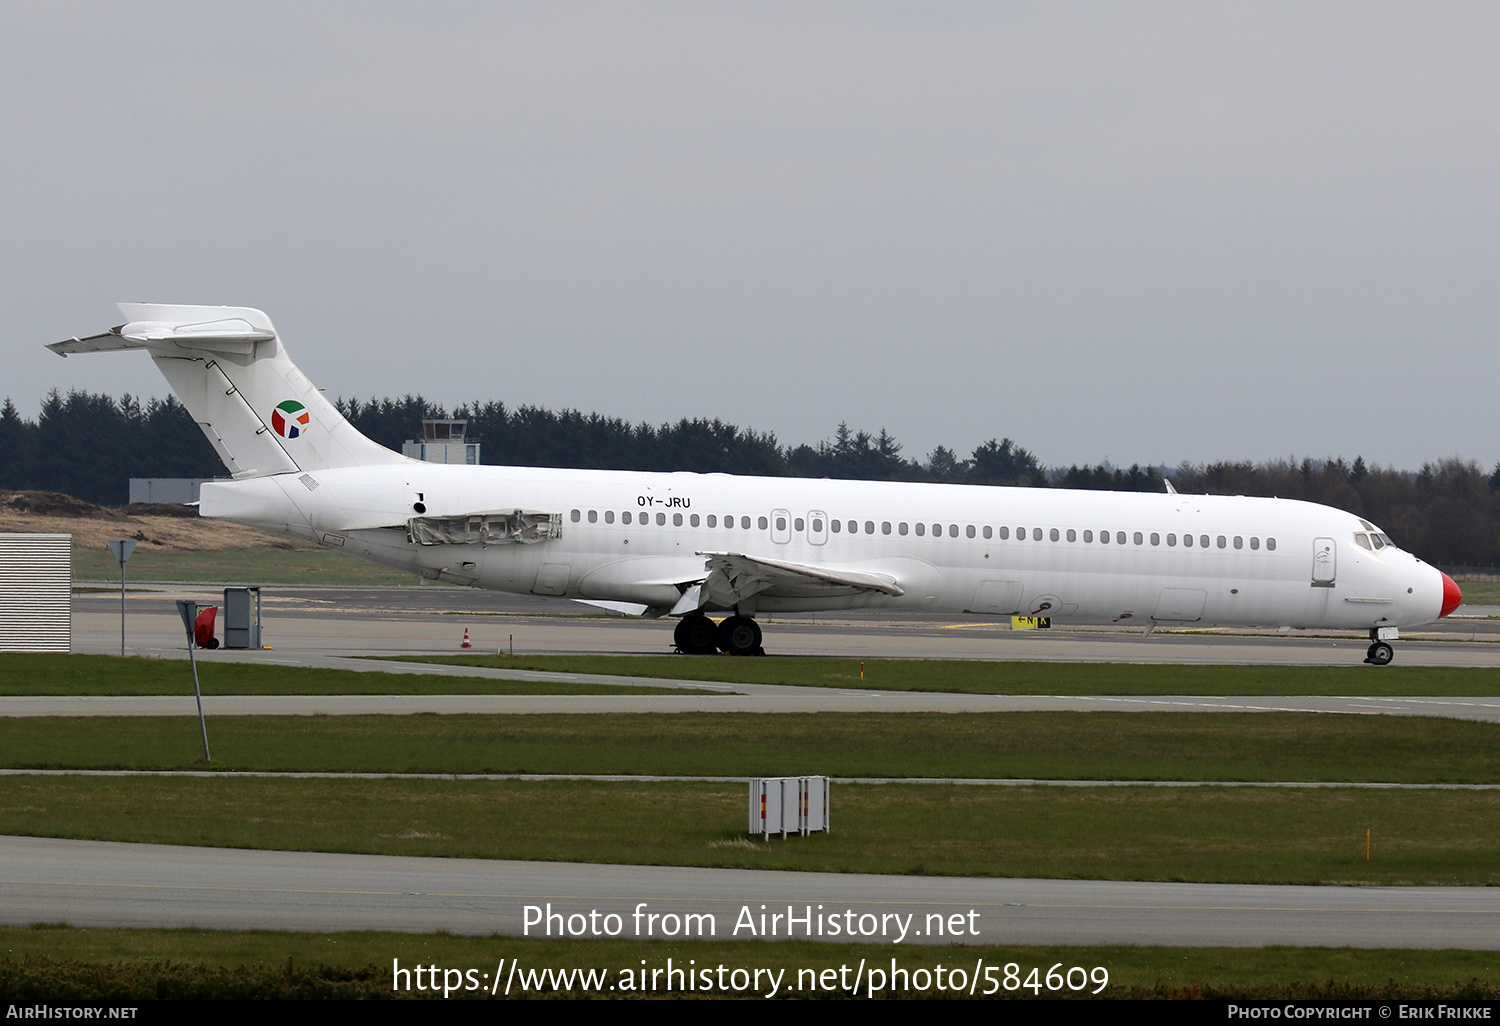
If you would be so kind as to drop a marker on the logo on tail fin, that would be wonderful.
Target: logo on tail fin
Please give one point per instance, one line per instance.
(290, 418)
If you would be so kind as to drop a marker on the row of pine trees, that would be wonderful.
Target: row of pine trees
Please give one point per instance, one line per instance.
(89, 446)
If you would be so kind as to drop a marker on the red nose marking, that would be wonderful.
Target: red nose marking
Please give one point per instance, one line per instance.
(1451, 595)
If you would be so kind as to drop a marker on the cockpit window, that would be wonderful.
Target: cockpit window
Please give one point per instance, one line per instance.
(1363, 541)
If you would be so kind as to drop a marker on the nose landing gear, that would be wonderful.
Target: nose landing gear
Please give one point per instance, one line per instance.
(1380, 653)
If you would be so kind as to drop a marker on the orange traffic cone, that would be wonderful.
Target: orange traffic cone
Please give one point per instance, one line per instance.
(466, 643)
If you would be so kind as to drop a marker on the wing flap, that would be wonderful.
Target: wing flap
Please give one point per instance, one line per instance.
(734, 577)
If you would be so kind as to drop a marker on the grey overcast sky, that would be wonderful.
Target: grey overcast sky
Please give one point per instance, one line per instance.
(1142, 231)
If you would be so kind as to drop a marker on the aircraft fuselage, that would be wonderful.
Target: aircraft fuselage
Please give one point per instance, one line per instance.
(1075, 556)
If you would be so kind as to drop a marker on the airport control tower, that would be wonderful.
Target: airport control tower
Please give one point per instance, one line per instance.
(443, 441)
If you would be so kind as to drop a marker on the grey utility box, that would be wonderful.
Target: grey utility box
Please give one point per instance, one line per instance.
(242, 618)
(789, 805)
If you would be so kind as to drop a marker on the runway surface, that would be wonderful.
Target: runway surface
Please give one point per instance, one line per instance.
(132, 885)
(322, 622)
(109, 884)
(766, 699)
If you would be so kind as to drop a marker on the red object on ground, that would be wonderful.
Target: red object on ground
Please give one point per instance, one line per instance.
(467, 643)
(203, 628)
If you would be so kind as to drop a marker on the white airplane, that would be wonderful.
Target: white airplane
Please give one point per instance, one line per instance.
(687, 545)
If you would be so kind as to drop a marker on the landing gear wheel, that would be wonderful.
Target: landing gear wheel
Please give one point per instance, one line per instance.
(696, 634)
(740, 635)
(1380, 654)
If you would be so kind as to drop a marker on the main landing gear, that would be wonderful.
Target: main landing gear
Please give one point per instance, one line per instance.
(696, 634)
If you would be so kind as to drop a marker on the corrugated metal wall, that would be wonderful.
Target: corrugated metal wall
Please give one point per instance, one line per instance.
(36, 592)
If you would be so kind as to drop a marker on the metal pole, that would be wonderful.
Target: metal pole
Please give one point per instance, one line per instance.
(122, 548)
(198, 694)
(189, 612)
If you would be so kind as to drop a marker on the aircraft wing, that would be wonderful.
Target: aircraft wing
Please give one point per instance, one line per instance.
(735, 576)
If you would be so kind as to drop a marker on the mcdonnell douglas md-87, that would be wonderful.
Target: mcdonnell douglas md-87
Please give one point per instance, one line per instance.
(690, 545)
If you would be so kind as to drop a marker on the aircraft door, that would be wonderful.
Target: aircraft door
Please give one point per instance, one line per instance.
(817, 527)
(1324, 562)
(996, 597)
(551, 579)
(1180, 605)
(781, 527)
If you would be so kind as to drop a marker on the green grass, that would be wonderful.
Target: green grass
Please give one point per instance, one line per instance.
(296, 565)
(1014, 678)
(1225, 835)
(1480, 593)
(89, 964)
(1063, 746)
(28, 673)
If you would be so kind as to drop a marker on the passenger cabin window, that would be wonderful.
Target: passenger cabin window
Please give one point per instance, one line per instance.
(661, 519)
(901, 528)
(1138, 539)
(781, 523)
(1053, 534)
(1155, 538)
(745, 523)
(869, 527)
(837, 525)
(1088, 536)
(593, 516)
(1221, 541)
(921, 530)
(1239, 542)
(1187, 540)
(1271, 544)
(676, 519)
(885, 527)
(577, 516)
(761, 523)
(1120, 537)
(609, 516)
(988, 532)
(1254, 542)
(969, 531)
(817, 526)
(1203, 541)
(1103, 537)
(1072, 535)
(1171, 541)
(1005, 534)
(713, 520)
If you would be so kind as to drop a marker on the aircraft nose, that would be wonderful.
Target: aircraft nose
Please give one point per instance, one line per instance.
(1451, 595)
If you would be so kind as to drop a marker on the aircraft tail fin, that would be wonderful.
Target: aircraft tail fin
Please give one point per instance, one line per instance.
(229, 368)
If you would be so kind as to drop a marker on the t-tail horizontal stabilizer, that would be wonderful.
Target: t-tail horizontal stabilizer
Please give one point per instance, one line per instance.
(229, 368)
